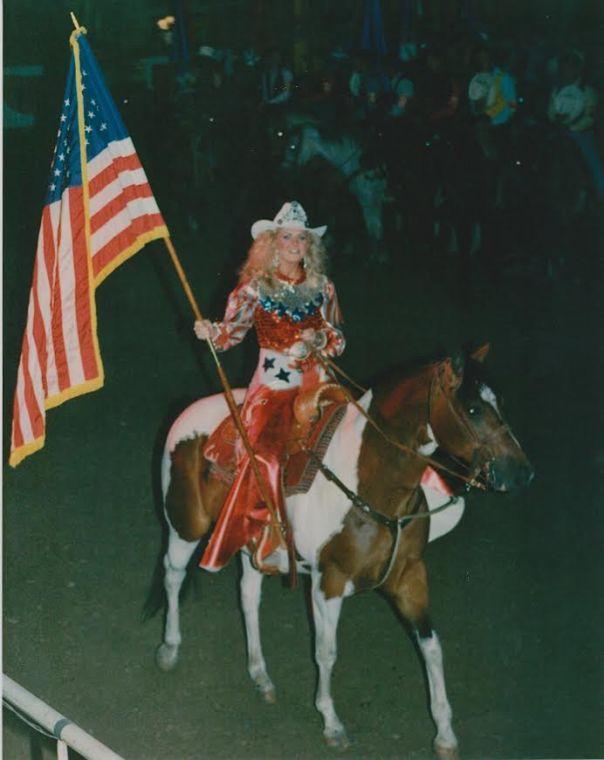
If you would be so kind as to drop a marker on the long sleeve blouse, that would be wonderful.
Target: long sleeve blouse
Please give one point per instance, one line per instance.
(280, 314)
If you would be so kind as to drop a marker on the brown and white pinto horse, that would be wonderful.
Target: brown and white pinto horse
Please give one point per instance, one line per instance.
(343, 547)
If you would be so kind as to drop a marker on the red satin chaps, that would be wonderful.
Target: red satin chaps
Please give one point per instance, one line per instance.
(267, 416)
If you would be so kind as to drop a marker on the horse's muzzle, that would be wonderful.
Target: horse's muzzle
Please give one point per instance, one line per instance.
(509, 474)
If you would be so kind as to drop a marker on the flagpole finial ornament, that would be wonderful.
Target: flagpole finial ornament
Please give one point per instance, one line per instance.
(77, 28)
(74, 20)
(290, 215)
(73, 37)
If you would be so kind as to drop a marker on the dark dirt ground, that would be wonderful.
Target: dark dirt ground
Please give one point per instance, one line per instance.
(516, 588)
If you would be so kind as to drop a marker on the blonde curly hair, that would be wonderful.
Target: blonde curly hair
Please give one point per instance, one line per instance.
(262, 260)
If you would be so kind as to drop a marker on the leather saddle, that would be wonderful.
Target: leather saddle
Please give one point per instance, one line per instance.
(317, 413)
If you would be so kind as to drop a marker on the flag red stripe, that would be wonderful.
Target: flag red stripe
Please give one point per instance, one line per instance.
(109, 173)
(129, 193)
(82, 283)
(124, 239)
(58, 339)
(39, 332)
(31, 403)
(17, 432)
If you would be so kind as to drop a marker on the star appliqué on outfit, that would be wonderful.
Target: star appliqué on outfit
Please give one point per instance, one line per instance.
(269, 363)
(283, 375)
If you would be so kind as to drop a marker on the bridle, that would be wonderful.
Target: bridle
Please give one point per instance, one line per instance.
(483, 455)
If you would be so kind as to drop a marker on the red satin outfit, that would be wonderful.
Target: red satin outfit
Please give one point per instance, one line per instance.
(280, 312)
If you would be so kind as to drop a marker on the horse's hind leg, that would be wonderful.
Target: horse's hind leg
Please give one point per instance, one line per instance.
(188, 513)
(410, 594)
(326, 613)
(176, 560)
(251, 590)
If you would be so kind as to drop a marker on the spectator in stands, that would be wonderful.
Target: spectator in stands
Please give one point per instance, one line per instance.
(572, 106)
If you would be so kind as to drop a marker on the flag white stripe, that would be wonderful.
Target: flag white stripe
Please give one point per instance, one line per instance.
(66, 275)
(37, 392)
(121, 221)
(33, 364)
(115, 149)
(114, 188)
(52, 379)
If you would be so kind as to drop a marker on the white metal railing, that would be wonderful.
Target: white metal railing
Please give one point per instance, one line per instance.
(49, 722)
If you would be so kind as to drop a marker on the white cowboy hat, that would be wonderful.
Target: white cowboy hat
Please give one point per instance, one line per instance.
(292, 216)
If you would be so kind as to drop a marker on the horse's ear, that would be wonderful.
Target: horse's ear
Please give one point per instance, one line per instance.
(452, 371)
(480, 354)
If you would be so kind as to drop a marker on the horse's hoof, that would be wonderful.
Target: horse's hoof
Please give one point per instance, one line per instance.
(446, 753)
(338, 740)
(269, 696)
(266, 688)
(166, 657)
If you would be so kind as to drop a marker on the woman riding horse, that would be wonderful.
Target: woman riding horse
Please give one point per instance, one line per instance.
(284, 293)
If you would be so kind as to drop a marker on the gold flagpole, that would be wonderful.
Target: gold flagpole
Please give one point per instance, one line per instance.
(228, 392)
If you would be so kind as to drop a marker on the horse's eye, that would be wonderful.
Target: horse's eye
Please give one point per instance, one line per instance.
(474, 411)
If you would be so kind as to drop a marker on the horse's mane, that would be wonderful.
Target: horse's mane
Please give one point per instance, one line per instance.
(406, 384)
(403, 385)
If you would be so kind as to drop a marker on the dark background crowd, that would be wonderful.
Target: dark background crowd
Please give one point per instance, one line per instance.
(489, 139)
(484, 120)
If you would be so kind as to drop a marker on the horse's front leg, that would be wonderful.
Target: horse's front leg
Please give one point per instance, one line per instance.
(176, 560)
(251, 591)
(410, 594)
(326, 613)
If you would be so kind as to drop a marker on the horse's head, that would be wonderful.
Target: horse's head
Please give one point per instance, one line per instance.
(467, 422)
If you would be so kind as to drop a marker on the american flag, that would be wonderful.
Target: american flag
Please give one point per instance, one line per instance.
(99, 211)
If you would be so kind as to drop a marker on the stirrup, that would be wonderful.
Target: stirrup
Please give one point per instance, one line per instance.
(256, 548)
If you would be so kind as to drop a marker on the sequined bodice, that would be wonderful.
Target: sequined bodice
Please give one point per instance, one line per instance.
(285, 311)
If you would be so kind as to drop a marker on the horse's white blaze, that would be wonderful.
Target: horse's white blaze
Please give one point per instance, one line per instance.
(487, 395)
(319, 514)
(439, 704)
